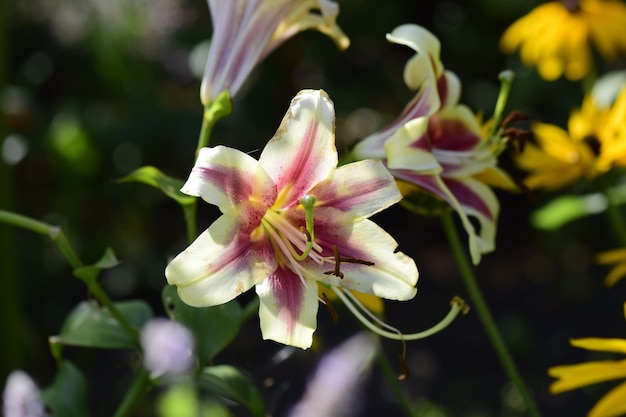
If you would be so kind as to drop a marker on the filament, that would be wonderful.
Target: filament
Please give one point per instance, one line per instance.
(457, 306)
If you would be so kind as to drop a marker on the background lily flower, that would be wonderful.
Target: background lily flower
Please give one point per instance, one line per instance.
(262, 238)
(580, 375)
(555, 37)
(437, 145)
(246, 31)
(595, 143)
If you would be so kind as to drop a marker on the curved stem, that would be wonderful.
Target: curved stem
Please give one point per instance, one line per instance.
(134, 393)
(478, 302)
(391, 377)
(56, 234)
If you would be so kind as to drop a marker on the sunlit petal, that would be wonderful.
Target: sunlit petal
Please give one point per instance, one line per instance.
(581, 375)
(302, 153)
(224, 261)
(288, 309)
(612, 404)
(362, 188)
(226, 177)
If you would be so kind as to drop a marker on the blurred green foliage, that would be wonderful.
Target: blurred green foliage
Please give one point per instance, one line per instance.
(99, 88)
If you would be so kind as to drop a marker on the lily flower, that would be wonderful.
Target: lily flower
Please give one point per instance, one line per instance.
(571, 377)
(556, 37)
(246, 31)
(290, 221)
(438, 146)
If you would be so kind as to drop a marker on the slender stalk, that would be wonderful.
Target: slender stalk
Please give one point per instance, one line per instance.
(56, 234)
(478, 303)
(250, 310)
(135, 392)
(615, 216)
(189, 213)
(392, 379)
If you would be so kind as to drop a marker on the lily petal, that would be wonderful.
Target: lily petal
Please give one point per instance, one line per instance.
(226, 177)
(288, 309)
(393, 275)
(302, 153)
(224, 261)
(421, 41)
(362, 188)
(409, 148)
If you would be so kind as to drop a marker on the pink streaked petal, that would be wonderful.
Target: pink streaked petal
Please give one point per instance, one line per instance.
(436, 185)
(393, 275)
(479, 201)
(409, 149)
(454, 128)
(242, 29)
(288, 309)
(424, 103)
(226, 177)
(302, 153)
(361, 188)
(224, 261)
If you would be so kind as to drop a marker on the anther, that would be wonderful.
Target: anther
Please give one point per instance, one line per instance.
(514, 116)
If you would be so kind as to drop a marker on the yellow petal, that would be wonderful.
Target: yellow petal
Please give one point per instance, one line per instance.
(611, 256)
(600, 344)
(612, 404)
(581, 375)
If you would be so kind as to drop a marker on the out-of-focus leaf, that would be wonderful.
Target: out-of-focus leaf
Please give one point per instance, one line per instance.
(89, 325)
(563, 210)
(213, 327)
(155, 178)
(90, 272)
(229, 382)
(67, 396)
(179, 401)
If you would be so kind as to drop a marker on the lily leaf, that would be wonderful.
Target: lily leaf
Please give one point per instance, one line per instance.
(157, 179)
(90, 325)
(89, 273)
(67, 396)
(213, 327)
(229, 382)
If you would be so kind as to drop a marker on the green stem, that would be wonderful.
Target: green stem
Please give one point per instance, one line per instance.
(506, 80)
(134, 393)
(189, 213)
(56, 234)
(478, 302)
(217, 109)
(250, 310)
(615, 216)
(392, 378)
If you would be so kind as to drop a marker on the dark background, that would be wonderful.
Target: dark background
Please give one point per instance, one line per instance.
(96, 89)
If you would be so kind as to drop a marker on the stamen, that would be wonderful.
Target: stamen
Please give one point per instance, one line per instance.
(457, 306)
(338, 260)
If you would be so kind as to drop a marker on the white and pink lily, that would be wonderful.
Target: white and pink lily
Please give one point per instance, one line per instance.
(246, 31)
(264, 239)
(438, 144)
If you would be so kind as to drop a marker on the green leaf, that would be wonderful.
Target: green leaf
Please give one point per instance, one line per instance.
(229, 382)
(89, 273)
(155, 178)
(565, 209)
(67, 396)
(89, 325)
(213, 327)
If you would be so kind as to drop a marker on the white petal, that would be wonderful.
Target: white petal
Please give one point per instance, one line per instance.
(223, 262)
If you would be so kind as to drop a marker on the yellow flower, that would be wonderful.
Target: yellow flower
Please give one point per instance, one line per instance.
(555, 37)
(595, 143)
(617, 257)
(570, 377)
